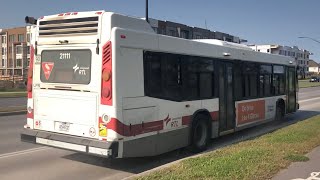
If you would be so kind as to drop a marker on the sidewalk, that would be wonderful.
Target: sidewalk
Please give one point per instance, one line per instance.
(309, 170)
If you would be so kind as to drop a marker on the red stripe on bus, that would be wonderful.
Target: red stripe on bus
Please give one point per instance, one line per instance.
(137, 129)
(214, 115)
(30, 115)
(133, 130)
(186, 120)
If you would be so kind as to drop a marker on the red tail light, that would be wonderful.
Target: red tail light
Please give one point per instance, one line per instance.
(106, 75)
(30, 72)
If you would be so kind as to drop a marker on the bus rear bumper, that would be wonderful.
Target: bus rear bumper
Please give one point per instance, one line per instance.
(68, 142)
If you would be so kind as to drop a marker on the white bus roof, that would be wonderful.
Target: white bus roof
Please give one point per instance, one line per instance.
(200, 47)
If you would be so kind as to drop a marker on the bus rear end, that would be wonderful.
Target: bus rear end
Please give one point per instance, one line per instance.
(70, 84)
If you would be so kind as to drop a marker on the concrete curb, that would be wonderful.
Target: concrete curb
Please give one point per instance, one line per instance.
(11, 113)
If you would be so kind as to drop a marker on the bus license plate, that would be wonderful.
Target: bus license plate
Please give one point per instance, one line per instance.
(63, 126)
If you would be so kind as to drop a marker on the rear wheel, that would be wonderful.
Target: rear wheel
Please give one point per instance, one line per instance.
(200, 134)
(279, 113)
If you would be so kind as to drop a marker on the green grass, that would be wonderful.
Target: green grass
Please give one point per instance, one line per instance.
(306, 84)
(260, 158)
(12, 90)
(13, 108)
(297, 158)
(13, 94)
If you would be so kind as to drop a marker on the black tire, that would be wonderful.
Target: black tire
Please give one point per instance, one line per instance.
(279, 113)
(200, 134)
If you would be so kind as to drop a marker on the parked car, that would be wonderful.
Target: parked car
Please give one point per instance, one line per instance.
(314, 79)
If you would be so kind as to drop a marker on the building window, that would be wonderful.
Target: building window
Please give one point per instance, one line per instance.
(28, 49)
(163, 31)
(19, 63)
(3, 63)
(11, 38)
(28, 62)
(10, 65)
(172, 33)
(19, 50)
(4, 39)
(185, 34)
(10, 49)
(21, 37)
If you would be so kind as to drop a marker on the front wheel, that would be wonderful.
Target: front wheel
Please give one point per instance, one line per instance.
(200, 134)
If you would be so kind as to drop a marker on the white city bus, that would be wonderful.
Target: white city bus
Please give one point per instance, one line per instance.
(106, 84)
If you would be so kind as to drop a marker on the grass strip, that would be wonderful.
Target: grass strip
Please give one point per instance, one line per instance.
(306, 84)
(260, 158)
(12, 94)
(12, 109)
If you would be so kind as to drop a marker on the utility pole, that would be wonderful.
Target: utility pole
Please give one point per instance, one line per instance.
(147, 6)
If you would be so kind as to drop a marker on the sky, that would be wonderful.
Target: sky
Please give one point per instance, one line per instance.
(278, 22)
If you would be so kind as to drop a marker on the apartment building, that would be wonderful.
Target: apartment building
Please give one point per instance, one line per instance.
(189, 32)
(15, 52)
(301, 56)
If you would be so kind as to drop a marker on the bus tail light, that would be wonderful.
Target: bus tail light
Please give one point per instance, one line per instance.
(106, 75)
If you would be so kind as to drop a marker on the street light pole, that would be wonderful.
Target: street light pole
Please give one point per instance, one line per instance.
(147, 9)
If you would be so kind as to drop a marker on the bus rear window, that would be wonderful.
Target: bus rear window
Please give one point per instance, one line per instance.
(66, 66)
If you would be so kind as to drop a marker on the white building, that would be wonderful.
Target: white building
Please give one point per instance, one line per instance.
(314, 67)
(301, 56)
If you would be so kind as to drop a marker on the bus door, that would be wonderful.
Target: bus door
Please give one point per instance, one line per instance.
(226, 97)
(291, 90)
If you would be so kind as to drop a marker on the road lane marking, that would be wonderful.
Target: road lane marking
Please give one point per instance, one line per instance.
(306, 100)
(7, 155)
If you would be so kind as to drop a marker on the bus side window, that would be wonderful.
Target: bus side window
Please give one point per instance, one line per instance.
(152, 73)
(278, 80)
(265, 80)
(250, 80)
(238, 81)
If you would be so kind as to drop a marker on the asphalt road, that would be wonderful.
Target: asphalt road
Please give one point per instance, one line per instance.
(19, 101)
(20, 160)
